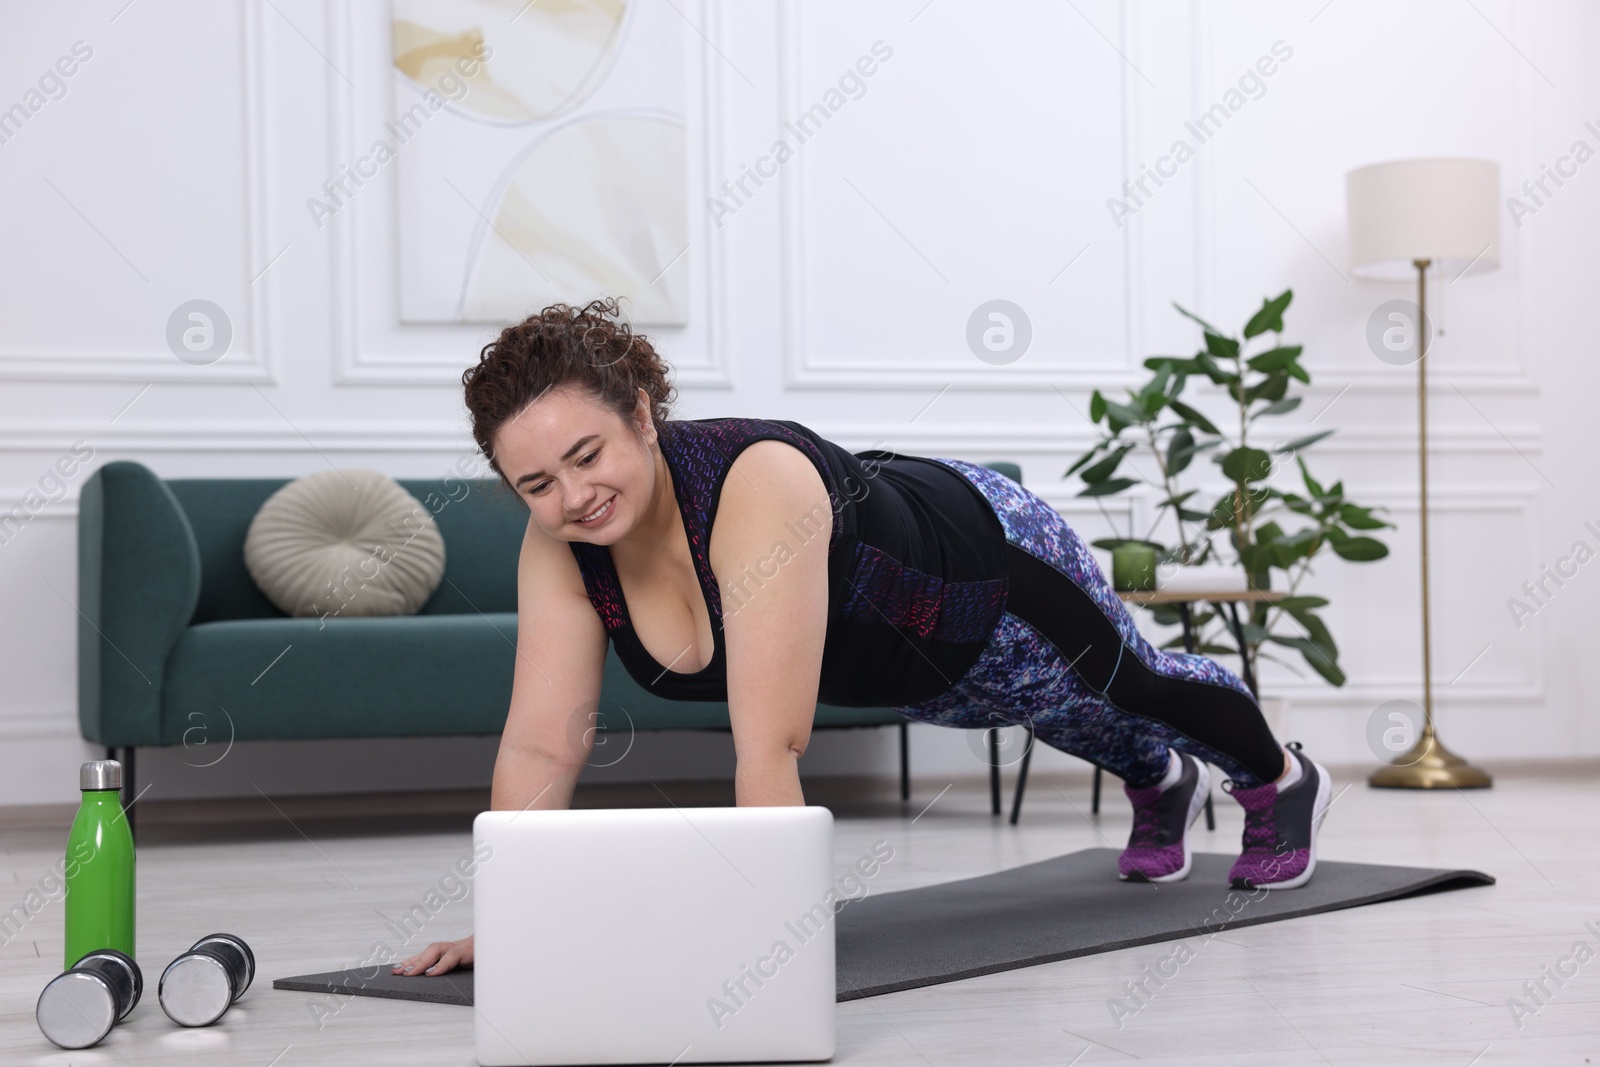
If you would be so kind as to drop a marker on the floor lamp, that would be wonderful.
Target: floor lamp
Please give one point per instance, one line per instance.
(1404, 217)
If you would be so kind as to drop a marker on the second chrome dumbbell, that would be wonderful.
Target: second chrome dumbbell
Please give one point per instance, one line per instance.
(201, 985)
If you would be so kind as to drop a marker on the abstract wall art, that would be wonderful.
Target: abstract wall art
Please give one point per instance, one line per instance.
(543, 157)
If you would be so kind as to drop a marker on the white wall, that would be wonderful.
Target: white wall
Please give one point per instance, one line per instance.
(976, 165)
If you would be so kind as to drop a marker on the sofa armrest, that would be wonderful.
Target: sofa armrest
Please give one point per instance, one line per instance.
(138, 583)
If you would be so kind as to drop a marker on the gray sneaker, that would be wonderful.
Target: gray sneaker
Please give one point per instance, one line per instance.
(1280, 828)
(1158, 848)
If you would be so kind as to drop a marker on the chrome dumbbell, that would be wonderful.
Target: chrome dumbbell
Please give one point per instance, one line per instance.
(201, 985)
(79, 1007)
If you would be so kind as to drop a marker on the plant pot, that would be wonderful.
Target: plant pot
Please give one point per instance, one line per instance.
(1133, 567)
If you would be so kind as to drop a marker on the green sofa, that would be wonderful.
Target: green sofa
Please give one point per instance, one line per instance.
(175, 640)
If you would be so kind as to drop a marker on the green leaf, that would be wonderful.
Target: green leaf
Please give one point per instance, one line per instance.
(1278, 407)
(1214, 370)
(1247, 464)
(1166, 615)
(1222, 512)
(1108, 466)
(1177, 499)
(1298, 545)
(1253, 633)
(1304, 644)
(1152, 403)
(1194, 416)
(1106, 488)
(1275, 359)
(1317, 631)
(1297, 371)
(1255, 558)
(1360, 518)
(1191, 315)
(1302, 442)
(1221, 347)
(1085, 458)
(1270, 317)
(1294, 603)
(1221, 516)
(1158, 384)
(1316, 658)
(1179, 364)
(1097, 407)
(1121, 416)
(1180, 450)
(1297, 504)
(1272, 388)
(1312, 485)
(1359, 549)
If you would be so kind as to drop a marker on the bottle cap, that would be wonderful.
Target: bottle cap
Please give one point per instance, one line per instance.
(100, 774)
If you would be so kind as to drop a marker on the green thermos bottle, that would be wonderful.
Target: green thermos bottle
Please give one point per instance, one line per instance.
(99, 867)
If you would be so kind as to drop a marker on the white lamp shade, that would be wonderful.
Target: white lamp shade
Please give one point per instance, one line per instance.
(1444, 210)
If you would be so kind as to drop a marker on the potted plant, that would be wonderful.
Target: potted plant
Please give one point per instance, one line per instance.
(1273, 533)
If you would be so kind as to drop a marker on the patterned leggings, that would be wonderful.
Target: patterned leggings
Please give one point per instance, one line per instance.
(1068, 660)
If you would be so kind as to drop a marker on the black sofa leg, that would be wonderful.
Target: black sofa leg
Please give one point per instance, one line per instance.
(1022, 778)
(905, 763)
(125, 756)
(994, 770)
(1094, 800)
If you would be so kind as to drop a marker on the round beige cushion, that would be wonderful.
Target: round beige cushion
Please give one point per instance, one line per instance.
(345, 542)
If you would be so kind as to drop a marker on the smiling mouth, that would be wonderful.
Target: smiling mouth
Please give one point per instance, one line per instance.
(598, 513)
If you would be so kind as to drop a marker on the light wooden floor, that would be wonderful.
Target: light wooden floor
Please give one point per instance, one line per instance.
(1406, 982)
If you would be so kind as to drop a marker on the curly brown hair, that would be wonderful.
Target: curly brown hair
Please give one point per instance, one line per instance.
(592, 348)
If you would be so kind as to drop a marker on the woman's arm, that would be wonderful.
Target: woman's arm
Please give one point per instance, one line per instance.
(555, 692)
(769, 550)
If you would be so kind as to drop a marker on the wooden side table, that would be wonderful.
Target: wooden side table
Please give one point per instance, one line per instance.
(1232, 598)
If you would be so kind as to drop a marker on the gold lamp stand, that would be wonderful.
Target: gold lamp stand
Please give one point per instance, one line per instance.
(1427, 764)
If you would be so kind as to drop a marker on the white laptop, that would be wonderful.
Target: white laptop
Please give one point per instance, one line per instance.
(654, 935)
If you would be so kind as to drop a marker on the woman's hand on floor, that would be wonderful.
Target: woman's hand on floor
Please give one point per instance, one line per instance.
(437, 958)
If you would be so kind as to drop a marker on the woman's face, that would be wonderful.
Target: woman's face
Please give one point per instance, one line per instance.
(582, 469)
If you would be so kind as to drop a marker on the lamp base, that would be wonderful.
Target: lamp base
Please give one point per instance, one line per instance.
(1429, 765)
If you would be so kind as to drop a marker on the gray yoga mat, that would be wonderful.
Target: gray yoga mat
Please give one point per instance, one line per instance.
(1072, 905)
(452, 988)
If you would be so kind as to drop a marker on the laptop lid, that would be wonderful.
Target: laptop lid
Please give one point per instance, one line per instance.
(656, 935)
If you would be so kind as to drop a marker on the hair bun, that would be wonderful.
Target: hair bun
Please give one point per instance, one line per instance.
(593, 348)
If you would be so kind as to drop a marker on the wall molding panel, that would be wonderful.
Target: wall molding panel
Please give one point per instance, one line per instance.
(145, 364)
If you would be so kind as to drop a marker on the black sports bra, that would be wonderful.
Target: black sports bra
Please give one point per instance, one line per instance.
(916, 571)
